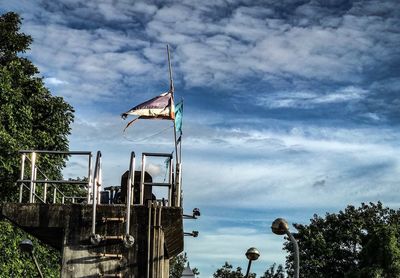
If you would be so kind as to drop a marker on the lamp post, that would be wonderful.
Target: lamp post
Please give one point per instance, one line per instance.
(26, 245)
(252, 254)
(280, 227)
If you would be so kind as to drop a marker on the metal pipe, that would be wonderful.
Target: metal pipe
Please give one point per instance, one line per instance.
(55, 195)
(296, 254)
(178, 185)
(248, 269)
(21, 187)
(95, 176)
(131, 179)
(45, 193)
(142, 175)
(148, 240)
(37, 265)
(154, 249)
(89, 178)
(170, 182)
(56, 152)
(33, 161)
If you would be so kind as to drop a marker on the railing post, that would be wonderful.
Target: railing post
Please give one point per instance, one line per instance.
(21, 187)
(89, 188)
(33, 167)
(55, 195)
(129, 240)
(142, 176)
(170, 181)
(45, 192)
(178, 185)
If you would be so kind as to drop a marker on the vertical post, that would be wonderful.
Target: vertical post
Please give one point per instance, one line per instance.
(170, 182)
(248, 269)
(95, 196)
(54, 194)
(296, 254)
(45, 191)
(178, 185)
(32, 182)
(171, 80)
(89, 178)
(21, 187)
(142, 176)
(131, 179)
(148, 240)
(34, 185)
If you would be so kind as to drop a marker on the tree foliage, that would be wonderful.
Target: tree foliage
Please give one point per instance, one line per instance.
(274, 272)
(356, 242)
(177, 265)
(30, 118)
(227, 271)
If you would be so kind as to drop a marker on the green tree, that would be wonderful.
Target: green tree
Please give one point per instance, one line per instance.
(227, 271)
(177, 265)
(274, 272)
(30, 118)
(350, 243)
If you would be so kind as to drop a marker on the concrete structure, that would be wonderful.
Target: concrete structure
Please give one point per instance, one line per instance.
(133, 235)
(68, 228)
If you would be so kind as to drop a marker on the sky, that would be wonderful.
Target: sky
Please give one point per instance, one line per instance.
(290, 107)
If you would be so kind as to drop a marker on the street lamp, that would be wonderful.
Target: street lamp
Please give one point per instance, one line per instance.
(26, 245)
(252, 254)
(280, 227)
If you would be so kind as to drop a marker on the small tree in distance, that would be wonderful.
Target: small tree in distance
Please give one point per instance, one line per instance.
(274, 272)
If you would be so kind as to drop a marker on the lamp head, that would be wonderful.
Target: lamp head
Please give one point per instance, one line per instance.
(26, 245)
(196, 212)
(280, 226)
(252, 254)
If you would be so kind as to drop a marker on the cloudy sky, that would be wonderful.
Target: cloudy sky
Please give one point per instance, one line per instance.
(291, 107)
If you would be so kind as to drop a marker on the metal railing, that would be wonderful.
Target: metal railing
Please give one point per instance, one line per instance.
(169, 184)
(31, 156)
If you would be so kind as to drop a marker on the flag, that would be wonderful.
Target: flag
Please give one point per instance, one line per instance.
(159, 107)
(178, 116)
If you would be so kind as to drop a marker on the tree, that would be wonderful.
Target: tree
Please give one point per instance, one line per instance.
(274, 272)
(177, 265)
(227, 271)
(30, 118)
(356, 242)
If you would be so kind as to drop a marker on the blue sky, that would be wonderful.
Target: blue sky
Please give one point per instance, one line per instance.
(291, 107)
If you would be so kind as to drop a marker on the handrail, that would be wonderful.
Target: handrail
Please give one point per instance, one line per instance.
(129, 240)
(95, 197)
(35, 170)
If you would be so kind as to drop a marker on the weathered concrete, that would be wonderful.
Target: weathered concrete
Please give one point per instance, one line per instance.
(68, 227)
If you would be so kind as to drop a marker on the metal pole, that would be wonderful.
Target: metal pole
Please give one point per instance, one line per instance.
(37, 265)
(148, 241)
(21, 187)
(296, 254)
(248, 269)
(131, 179)
(170, 182)
(45, 192)
(89, 177)
(31, 188)
(142, 176)
(54, 194)
(34, 185)
(171, 81)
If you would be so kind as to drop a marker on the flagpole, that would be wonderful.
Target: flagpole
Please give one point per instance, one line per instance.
(177, 168)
